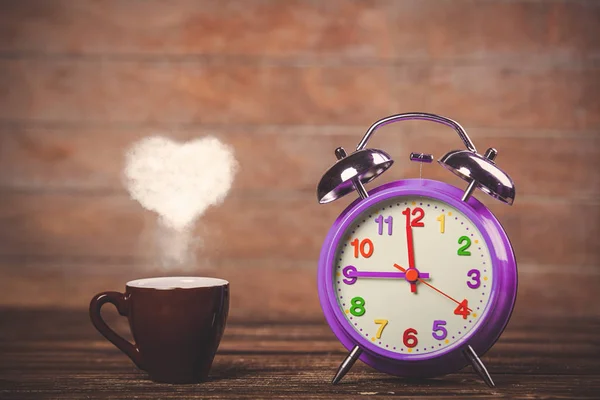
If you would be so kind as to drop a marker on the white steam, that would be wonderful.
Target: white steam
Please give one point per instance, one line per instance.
(178, 181)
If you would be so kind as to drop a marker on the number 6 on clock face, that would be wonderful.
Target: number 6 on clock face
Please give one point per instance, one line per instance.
(386, 245)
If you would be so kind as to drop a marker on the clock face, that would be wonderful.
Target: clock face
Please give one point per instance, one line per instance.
(413, 276)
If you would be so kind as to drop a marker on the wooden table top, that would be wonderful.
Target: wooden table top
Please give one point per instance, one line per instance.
(58, 354)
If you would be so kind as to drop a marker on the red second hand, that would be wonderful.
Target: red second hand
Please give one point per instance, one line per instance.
(433, 287)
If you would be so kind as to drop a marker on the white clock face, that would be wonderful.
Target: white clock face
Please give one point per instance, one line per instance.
(413, 275)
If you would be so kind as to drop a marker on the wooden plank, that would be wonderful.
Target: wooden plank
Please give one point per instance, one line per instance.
(512, 95)
(266, 289)
(251, 28)
(538, 337)
(556, 98)
(503, 357)
(496, 29)
(286, 227)
(192, 92)
(535, 357)
(290, 379)
(408, 29)
(92, 158)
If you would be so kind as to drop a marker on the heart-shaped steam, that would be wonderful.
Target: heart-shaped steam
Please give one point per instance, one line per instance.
(179, 181)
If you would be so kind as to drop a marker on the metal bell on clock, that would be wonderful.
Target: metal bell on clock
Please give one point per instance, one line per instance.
(481, 172)
(351, 172)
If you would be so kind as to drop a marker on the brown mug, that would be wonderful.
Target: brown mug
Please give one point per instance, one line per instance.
(176, 322)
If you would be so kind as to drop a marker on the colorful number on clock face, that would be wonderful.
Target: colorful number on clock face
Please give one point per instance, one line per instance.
(413, 275)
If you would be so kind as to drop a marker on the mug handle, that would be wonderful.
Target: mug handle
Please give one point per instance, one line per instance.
(121, 302)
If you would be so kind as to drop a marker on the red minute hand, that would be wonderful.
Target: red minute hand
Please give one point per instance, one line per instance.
(411, 253)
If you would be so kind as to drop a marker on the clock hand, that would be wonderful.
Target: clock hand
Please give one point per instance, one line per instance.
(379, 274)
(412, 275)
(411, 253)
(431, 286)
(374, 274)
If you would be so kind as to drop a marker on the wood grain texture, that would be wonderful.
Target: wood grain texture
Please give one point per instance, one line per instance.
(254, 227)
(285, 83)
(502, 96)
(57, 354)
(509, 95)
(264, 28)
(268, 289)
(450, 29)
(293, 158)
(192, 92)
(421, 29)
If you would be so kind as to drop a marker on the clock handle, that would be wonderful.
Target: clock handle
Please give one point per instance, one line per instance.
(418, 116)
(480, 171)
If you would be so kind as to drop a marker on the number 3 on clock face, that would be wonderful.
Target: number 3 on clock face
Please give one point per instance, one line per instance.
(412, 277)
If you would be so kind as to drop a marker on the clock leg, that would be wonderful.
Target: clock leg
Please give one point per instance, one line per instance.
(478, 366)
(347, 364)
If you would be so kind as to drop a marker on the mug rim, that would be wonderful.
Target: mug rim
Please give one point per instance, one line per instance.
(176, 282)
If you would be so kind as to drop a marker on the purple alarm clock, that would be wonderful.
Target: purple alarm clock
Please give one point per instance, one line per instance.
(416, 277)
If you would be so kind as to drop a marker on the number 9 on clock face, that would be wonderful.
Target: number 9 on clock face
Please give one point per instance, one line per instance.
(413, 275)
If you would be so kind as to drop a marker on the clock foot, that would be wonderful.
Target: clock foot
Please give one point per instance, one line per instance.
(347, 364)
(478, 366)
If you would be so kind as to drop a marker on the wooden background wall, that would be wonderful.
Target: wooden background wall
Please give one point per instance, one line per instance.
(285, 82)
